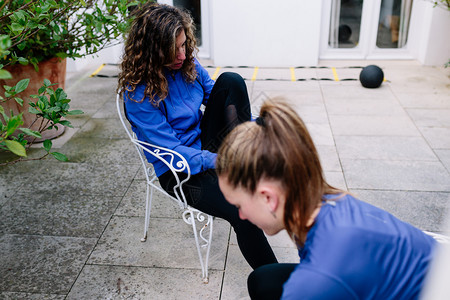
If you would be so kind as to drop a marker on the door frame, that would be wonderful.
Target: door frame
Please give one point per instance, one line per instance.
(366, 49)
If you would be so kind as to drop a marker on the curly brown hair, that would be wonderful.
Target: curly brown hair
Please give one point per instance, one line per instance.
(150, 45)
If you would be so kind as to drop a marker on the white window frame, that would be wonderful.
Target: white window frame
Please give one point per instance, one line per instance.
(366, 49)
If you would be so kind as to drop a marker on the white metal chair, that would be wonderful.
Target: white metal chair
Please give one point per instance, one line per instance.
(176, 163)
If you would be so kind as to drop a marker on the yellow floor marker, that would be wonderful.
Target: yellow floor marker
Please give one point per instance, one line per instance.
(336, 78)
(98, 70)
(292, 74)
(216, 72)
(255, 72)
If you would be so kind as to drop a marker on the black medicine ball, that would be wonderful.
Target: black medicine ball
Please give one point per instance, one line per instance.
(371, 76)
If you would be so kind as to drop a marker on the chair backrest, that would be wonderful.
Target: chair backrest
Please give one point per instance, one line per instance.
(172, 159)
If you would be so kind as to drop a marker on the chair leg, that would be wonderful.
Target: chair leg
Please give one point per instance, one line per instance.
(148, 207)
(190, 216)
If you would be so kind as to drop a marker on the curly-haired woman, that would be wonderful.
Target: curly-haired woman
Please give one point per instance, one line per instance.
(164, 87)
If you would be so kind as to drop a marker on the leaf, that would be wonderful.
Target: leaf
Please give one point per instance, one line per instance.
(75, 112)
(66, 123)
(13, 123)
(16, 27)
(59, 156)
(19, 100)
(22, 85)
(5, 74)
(15, 147)
(47, 145)
(33, 110)
(30, 132)
(5, 41)
(23, 61)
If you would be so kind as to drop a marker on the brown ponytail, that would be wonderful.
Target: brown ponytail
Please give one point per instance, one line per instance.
(277, 146)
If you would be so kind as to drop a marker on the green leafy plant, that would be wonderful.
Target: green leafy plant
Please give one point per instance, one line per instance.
(50, 109)
(43, 29)
(32, 31)
(442, 3)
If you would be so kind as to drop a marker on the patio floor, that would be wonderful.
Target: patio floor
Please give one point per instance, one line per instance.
(72, 230)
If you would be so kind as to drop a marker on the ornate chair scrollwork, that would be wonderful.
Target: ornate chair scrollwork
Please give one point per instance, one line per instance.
(176, 163)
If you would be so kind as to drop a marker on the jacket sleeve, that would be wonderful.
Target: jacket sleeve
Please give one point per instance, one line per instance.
(206, 81)
(152, 126)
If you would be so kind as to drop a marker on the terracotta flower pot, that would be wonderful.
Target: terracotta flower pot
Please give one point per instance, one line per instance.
(54, 70)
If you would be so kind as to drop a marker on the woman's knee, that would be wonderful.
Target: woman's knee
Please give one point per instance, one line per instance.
(230, 77)
(260, 284)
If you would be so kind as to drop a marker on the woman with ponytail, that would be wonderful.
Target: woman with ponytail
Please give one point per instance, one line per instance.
(270, 170)
(164, 88)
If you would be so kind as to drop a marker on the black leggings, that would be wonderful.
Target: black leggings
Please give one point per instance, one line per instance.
(266, 282)
(228, 105)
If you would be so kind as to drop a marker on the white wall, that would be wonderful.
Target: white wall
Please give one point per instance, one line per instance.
(434, 45)
(265, 33)
(286, 33)
(111, 55)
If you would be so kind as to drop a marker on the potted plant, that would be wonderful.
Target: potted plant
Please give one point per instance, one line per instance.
(36, 37)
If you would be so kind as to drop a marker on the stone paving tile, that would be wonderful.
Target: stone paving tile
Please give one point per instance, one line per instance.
(437, 137)
(120, 282)
(234, 285)
(41, 264)
(85, 178)
(108, 110)
(321, 134)
(57, 214)
(334, 91)
(284, 86)
(430, 117)
(101, 151)
(384, 147)
(329, 158)
(373, 125)
(14, 177)
(102, 129)
(309, 96)
(364, 106)
(312, 113)
(274, 73)
(426, 100)
(282, 240)
(30, 296)
(170, 244)
(336, 179)
(396, 175)
(425, 210)
(444, 156)
(425, 80)
(305, 73)
(133, 203)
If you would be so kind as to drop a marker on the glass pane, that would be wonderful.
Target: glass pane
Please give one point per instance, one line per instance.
(393, 23)
(193, 6)
(345, 23)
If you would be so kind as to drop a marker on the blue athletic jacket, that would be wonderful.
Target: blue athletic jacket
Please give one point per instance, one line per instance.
(358, 251)
(175, 124)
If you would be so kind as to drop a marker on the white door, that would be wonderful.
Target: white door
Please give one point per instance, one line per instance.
(371, 29)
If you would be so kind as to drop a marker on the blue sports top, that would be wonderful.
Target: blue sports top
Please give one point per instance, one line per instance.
(358, 251)
(175, 124)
